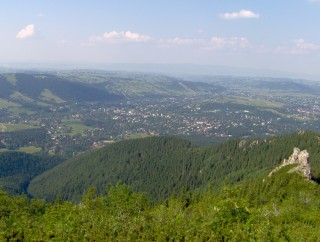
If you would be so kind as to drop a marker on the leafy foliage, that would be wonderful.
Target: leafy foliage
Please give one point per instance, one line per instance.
(283, 207)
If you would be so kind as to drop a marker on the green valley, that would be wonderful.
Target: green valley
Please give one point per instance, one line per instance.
(95, 155)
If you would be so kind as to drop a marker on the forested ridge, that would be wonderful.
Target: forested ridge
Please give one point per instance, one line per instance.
(156, 165)
(167, 189)
(161, 166)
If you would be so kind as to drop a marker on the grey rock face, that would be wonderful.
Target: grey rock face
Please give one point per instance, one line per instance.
(301, 159)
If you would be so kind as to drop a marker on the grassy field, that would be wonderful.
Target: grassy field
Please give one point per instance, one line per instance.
(14, 127)
(77, 126)
(48, 95)
(20, 97)
(29, 149)
(5, 104)
(25, 149)
(13, 108)
(11, 78)
(137, 136)
(260, 103)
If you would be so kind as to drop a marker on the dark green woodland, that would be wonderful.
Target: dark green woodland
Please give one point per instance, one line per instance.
(161, 166)
(164, 189)
(284, 207)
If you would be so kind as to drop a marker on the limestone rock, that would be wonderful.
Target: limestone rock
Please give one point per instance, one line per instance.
(301, 159)
(242, 144)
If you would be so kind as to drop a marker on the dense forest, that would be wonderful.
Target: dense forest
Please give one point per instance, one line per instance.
(163, 189)
(161, 166)
(17, 169)
(19, 138)
(284, 207)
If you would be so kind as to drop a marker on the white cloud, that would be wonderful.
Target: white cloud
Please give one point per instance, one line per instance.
(121, 36)
(304, 45)
(240, 15)
(62, 42)
(298, 46)
(228, 43)
(313, 1)
(215, 43)
(26, 32)
(185, 41)
(136, 37)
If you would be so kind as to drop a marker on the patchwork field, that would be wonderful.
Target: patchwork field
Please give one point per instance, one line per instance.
(77, 126)
(14, 127)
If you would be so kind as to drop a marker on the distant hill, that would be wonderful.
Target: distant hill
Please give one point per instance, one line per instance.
(284, 85)
(161, 166)
(143, 84)
(47, 87)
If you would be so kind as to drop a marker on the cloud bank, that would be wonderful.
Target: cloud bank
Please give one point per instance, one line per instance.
(185, 41)
(298, 46)
(26, 32)
(121, 36)
(229, 43)
(242, 14)
(304, 45)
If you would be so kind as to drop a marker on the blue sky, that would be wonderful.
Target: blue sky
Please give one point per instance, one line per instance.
(271, 34)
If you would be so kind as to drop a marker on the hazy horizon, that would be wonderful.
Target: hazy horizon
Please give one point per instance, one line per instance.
(180, 69)
(280, 37)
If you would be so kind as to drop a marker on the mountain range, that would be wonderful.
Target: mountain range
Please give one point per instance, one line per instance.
(22, 87)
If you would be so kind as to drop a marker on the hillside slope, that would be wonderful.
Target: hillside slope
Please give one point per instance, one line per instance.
(17, 169)
(48, 87)
(161, 166)
(283, 207)
(154, 165)
(144, 84)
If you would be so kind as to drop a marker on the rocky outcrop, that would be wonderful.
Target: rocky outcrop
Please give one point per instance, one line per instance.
(301, 159)
(243, 144)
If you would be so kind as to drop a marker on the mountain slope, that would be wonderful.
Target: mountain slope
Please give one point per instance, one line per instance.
(284, 207)
(161, 166)
(17, 169)
(143, 84)
(153, 165)
(36, 86)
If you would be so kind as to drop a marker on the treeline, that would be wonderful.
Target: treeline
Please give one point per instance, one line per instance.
(284, 207)
(17, 169)
(161, 166)
(27, 137)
